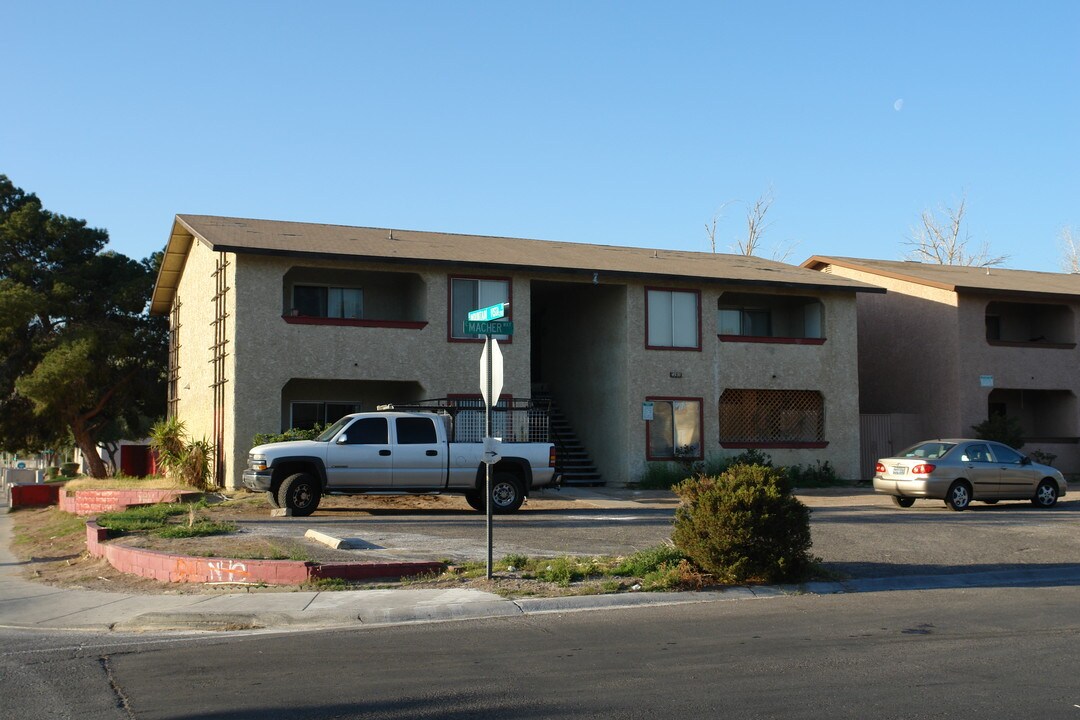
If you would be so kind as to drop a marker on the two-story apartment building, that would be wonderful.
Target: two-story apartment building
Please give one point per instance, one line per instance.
(651, 354)
(947, 346)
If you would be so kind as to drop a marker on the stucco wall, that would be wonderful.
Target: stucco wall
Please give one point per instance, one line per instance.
(1018, 368)
(909, 352)
(195, 391)
(603, 374)
(272, 351)
(829, 368)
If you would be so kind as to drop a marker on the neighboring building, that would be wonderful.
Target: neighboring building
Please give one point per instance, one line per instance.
(947, 346)
(280, 324)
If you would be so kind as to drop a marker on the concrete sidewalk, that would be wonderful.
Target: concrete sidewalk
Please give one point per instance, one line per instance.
(25, 604)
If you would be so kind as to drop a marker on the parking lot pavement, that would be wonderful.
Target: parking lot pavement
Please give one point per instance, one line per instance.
(857, 533)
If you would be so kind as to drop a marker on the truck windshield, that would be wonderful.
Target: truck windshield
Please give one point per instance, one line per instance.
(330, 432)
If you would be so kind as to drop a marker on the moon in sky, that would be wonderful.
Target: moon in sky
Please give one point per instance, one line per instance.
(898, 105)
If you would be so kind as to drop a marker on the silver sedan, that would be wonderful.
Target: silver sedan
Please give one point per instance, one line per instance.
(961, 470)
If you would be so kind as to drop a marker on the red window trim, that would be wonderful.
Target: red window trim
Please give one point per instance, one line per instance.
(450, 306)
(777, 445)
(701, 429)
(679, 348)
(353, 322)
(771, 340)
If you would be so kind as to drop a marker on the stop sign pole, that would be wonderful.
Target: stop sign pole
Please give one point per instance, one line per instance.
(489, 321)
(491, 383)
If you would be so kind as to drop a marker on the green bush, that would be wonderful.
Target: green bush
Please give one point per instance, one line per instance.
(820, 474)
(290, 434)
(744, 526)
(661, 476)
(69, 469)
(665, 475)
(1002, 429)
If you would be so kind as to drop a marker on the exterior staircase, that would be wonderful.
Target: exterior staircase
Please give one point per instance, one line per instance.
(571, 457)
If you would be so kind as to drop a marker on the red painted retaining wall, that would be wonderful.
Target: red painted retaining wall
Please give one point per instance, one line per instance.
(32, 495)
(92, 502)
(181, 568)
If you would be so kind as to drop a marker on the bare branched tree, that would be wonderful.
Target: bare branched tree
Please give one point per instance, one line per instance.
(1070, 250)
(755, 228)
(941, 238)
(755, 224)
(710, 228)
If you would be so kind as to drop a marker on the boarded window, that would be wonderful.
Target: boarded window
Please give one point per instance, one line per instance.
(780, 417)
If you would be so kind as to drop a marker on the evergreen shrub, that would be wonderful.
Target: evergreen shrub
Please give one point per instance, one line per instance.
(744, 525)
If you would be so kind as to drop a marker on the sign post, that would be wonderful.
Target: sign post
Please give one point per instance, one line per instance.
(487, 322)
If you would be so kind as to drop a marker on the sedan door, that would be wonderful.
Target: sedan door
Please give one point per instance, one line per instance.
(419, 457)
(1017, 479)
(981, 470)
(360, 456)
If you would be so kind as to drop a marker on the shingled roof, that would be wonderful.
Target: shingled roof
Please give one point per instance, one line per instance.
(339, 242)
(960, 278)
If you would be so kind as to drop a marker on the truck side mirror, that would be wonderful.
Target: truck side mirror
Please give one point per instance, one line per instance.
(342, 439)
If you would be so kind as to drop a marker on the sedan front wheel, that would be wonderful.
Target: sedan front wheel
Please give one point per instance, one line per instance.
(1046, 495)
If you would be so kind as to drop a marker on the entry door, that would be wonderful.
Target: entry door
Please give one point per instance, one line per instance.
(360, 456)
(419, 458)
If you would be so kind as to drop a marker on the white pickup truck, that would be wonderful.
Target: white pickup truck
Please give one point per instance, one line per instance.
(396, 453)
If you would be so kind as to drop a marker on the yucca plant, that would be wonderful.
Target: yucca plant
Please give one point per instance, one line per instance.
(186, 461)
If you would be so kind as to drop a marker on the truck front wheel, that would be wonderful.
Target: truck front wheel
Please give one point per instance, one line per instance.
(299, 493)
(507, 493)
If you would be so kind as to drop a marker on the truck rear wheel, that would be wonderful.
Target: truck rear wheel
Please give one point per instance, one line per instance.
(507, 493)
(299, 493)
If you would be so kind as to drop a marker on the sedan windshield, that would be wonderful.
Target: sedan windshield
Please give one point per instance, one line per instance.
(330, 432)
(928, 450)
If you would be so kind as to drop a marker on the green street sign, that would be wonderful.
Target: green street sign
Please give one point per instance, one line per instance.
(502, 327)
(491, 312)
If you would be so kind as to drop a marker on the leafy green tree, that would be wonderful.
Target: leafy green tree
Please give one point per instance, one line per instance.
(80, 352)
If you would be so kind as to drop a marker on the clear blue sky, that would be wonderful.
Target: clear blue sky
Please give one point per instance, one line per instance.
(621, 123)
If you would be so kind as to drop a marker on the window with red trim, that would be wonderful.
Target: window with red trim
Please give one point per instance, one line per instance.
(672, 319)
(468, 294)
(675, 429)
(777, 318)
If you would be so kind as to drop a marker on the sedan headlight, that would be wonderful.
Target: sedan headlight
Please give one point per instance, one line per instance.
(257, 462)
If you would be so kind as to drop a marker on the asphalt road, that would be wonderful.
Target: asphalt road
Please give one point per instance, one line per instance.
(989, 653)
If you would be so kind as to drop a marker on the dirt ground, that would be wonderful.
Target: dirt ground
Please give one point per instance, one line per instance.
(53, 545)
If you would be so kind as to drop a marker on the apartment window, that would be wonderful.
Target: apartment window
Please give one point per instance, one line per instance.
(328, 302)
(467, 294)
(780, 318)
(306, 415)
(672, 319)
(772, 418)
(675, 430)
